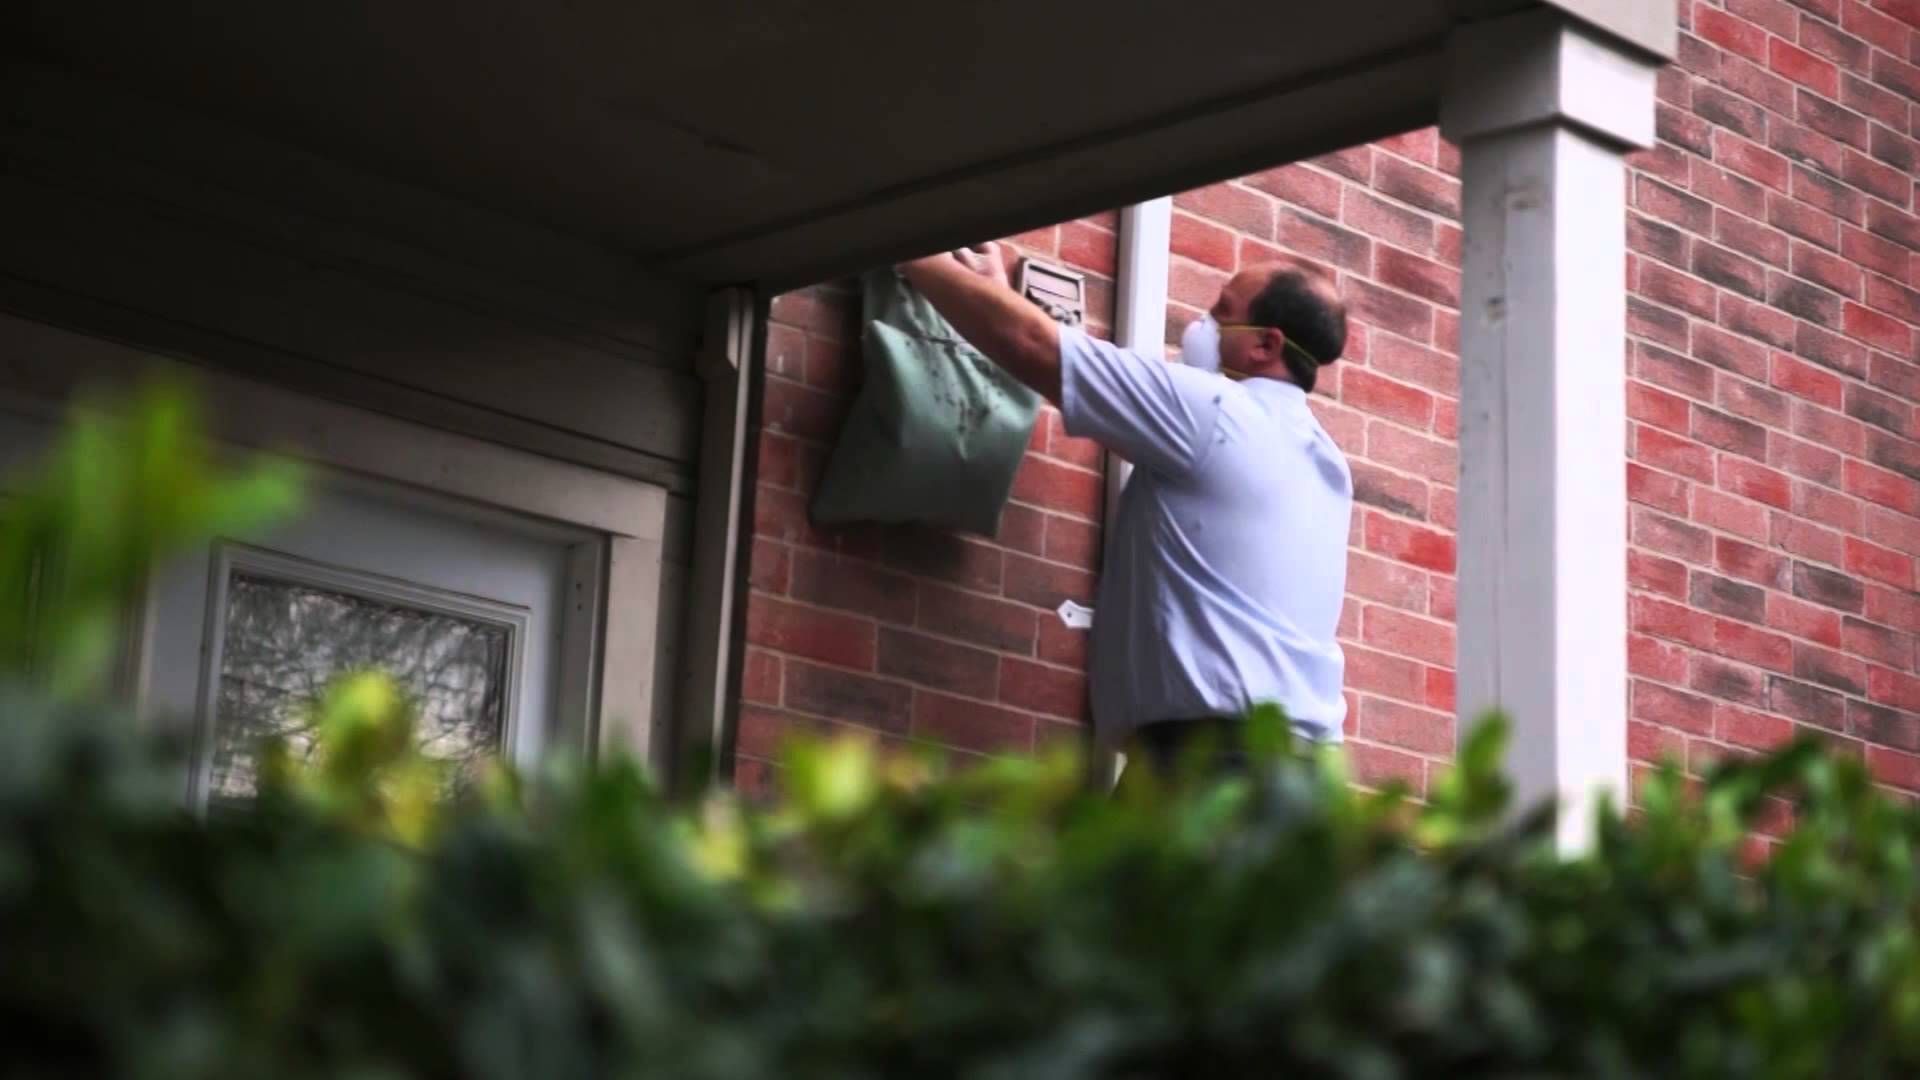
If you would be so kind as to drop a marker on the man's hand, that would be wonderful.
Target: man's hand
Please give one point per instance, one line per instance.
(987, 260)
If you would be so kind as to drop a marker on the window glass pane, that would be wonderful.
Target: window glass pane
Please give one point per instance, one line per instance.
(285, 641)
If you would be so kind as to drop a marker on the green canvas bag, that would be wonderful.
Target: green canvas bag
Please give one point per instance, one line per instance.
(937, 430)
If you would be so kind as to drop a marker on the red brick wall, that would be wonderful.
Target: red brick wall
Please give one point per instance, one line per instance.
(906, 631)
(1774, 447)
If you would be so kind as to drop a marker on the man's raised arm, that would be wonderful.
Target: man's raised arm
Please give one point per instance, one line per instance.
(969, 288)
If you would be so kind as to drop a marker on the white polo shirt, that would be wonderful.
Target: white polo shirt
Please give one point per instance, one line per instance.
(1228, 560)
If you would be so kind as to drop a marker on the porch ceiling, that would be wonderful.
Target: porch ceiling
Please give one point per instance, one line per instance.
(779, 141)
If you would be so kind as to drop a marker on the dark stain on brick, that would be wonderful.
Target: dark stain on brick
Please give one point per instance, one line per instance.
(1827, 587)
(1808, 703)
(1725, 596)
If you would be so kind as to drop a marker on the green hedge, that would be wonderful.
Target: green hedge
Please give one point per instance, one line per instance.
(884, 919)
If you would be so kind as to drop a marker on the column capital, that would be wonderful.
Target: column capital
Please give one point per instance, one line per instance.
(1542, 67)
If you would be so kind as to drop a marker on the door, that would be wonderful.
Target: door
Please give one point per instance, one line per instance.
(468, 609)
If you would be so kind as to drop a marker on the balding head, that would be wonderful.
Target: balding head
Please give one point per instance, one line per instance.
(1298, 300)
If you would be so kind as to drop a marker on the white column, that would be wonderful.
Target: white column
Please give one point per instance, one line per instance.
(1543, 110)
(1140, 318)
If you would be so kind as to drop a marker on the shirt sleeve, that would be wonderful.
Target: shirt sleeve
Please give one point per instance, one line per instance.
(1157, 415)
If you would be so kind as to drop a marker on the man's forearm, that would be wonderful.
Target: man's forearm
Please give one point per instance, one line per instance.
(994, 319)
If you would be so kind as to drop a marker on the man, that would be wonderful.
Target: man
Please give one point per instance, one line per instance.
(1227, 564)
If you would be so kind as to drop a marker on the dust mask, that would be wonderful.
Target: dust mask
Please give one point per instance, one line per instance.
(1200, 344)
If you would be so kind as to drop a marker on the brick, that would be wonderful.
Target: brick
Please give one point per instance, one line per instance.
(1889, 108)
(1877, 178)
(1656, 659)
(1753, 730)
(1755, 482)
(1664, 242)
(1396, 724)
(1354, 163)
(1809, 223)
(1718, 186)
(1663, 368)
(1670, 708)
(1440, 690)
(1409, 543)
(1650, 488)
(1888, 687)
(970, 725)
(1896, 75)
(1659, 408)
(1087, 247)
(1372, 672)
(1045, 584)
(1725, 680)
(1233, 206)
(1893, 224)
(1887, 727)
(1656, 574)
(818, 310)
(1432, 191)
(1824, 268)
(1323, 240)
(850, 585)
(1892, 298)
(1421, 277)
(981, 620)
(1410, 363)
(1729, 433)
(1891, 529)
(843, 695)
(1676, 290)
(1398, 448)
(1445, 511)
(1826, 40)
(1891, 452)
(1776, 328)
(1752, 645)
(1671, 453)
(1893, 767)
(1677, 125)
(1666, 203)
(1075, 543)
(1831, 350)
(1725, 513)
(1752, 401)
(1303, 186)
(1881, 564)
(1730, 33)
(1657, 324)
(1724, 596)
(1672, 621)
(1377, 767)
(1827, 193)
(1883, 411)
(1823, 586)
(1808, 704)
(1829, 668)
(770, 567)
(1391, 311)
(1809, 148)
(1669, 536)
(1804, 459)
(1449, 244)
(1408, 635)
(1804, 539)
(786, 349)
(1730, 271)
(782, 515)
(1816, 503)
(1386, 398)
(1394, 224)
(798, 410)
(1386, 581)
(941, 556)
(760, 677)
(1889, 489)
(830, 637)
(1832, 120)
(1806, 381)
(1039, 688)
(1059, 487)
(1803, 299)
(1203, 242)
(1045, 242)
(1022, 528)
(1892, 606)
(1061, 644)
(1750, 562)
(1393, 492)
(1194, 285)
(1815, 623)
(1742, 234)
(1441, 598)
(943, 665)
(1898, 377)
